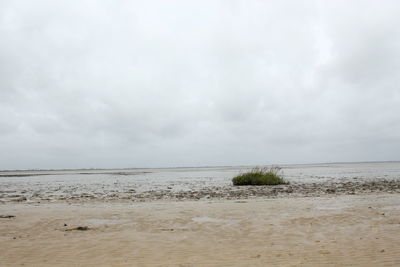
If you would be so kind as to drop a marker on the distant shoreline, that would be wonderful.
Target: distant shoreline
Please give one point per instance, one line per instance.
(192, 167)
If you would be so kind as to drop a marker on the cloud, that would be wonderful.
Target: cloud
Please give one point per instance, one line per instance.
(178, 83)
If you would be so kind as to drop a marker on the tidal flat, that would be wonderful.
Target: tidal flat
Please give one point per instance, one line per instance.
(177, 184)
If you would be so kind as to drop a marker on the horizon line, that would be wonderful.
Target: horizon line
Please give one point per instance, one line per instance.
(203, 166)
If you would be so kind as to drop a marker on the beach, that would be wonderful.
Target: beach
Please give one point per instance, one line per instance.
(323, 231)
(348, 217)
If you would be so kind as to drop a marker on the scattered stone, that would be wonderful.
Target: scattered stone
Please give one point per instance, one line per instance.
(225, 192)
(21, 199)
(79, 228)
(65, 224)
(289, 190)
(330, 191)
(7, 216)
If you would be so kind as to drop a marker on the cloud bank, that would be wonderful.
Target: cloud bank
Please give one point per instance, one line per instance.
(193, 83)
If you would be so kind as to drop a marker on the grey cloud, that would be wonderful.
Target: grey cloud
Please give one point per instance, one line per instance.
(180, 83)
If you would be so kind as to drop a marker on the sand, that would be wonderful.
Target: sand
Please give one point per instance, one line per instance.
(337, 230)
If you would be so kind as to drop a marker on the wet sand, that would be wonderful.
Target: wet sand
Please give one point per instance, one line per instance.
(330, 230)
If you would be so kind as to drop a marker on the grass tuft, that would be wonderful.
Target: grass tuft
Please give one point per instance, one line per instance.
(260, 176)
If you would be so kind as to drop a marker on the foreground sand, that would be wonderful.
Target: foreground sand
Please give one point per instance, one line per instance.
(342, 230)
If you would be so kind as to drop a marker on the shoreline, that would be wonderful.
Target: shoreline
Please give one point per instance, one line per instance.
(135, 169)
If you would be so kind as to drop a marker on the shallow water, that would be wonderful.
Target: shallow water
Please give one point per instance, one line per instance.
(65, 184)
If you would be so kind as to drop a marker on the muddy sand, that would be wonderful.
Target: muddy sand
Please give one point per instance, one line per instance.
(330, 230)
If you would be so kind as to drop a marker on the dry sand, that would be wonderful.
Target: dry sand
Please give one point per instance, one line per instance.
(357, 230)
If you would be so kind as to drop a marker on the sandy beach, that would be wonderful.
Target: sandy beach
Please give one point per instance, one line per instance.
(332, 230)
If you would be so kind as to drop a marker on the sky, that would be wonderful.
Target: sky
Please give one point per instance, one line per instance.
(119, 84)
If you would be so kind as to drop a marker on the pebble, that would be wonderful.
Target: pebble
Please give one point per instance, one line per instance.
(7, 216)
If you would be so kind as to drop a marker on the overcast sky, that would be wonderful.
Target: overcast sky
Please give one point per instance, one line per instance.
(192, 83)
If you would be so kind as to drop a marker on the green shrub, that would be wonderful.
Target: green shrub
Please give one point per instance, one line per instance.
(260, 176)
